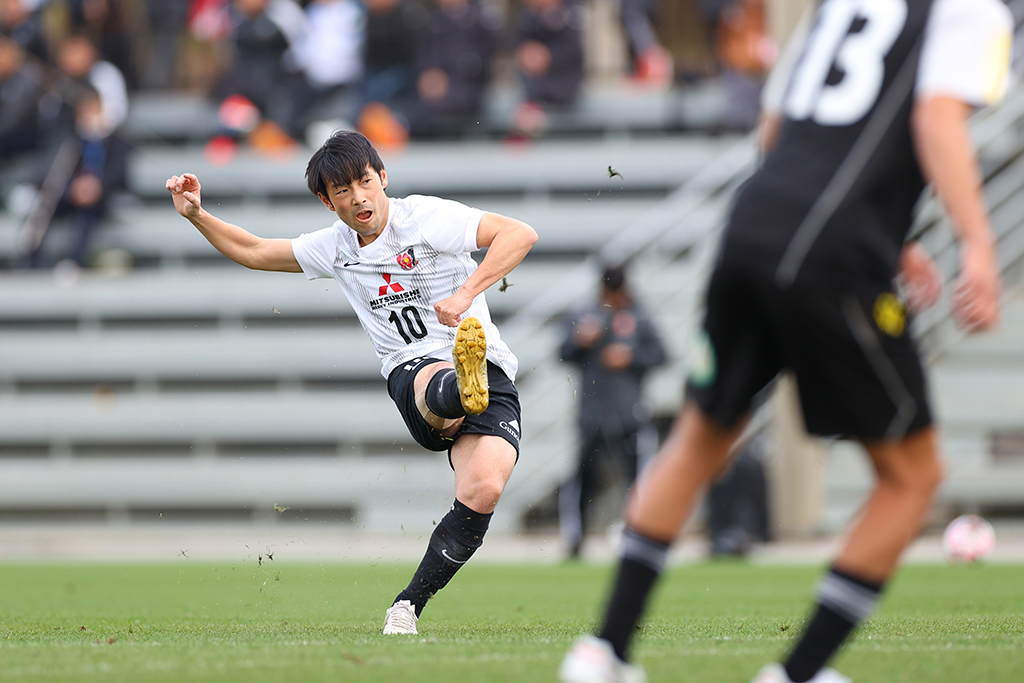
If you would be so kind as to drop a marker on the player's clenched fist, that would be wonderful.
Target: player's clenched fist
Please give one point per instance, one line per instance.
(184, 191)
(449, 311)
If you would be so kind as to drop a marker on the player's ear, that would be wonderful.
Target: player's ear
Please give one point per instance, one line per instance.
(383, 178)
(326, 201)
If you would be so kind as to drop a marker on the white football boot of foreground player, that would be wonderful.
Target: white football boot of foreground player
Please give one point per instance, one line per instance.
(776, 673)
(592, 660)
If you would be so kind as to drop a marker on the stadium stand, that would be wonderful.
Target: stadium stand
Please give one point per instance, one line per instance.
(186, 387)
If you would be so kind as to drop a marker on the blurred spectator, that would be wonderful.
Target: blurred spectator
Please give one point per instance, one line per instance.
(548, 57)
(262, 63)
(614, 343)
(78, 59)
(453, 66)
(330, 56)
(23, 24)
(652, 62)
(86, 165)
(21, 89)
(746, 53)
(167, 20)
(389, 57)
(104, 22)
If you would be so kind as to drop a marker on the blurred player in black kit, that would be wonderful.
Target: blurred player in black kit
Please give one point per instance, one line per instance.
(873, 105)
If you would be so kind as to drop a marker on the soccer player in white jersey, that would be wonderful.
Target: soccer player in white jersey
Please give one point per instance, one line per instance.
(405, 267)
(874, 106)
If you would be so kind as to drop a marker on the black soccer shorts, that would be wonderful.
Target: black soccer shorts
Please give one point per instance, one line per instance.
(502, 417)
(857, 368)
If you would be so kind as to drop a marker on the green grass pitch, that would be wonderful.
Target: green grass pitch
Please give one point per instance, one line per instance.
(715, 622)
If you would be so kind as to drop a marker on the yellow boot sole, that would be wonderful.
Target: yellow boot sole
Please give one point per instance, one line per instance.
(470, 357)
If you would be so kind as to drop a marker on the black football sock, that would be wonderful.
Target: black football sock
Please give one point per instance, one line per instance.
(443, 395)
(639, 567)
(453, 542)
(843, 602)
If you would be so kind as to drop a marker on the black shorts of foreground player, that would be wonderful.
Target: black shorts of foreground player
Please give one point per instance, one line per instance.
(804, 281)
(404, 266)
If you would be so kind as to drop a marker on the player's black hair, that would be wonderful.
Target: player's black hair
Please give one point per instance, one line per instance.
(341, 160)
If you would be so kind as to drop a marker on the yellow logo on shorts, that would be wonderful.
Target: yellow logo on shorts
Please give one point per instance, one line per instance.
(890, 315)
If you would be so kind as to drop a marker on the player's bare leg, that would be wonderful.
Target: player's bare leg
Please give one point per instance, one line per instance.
(445, 393)
(695, 452)
(482, 464)
(908, 473)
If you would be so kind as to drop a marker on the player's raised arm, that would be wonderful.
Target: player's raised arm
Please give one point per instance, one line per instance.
(237, 244)
(507, 241)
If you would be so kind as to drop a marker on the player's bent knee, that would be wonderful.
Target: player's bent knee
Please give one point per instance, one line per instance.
(484, 495)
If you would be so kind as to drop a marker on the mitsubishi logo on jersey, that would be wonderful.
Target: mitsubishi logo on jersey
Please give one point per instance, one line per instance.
(391, 293)
(388, 284)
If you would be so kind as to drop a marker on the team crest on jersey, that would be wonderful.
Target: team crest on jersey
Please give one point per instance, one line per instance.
(407, 259)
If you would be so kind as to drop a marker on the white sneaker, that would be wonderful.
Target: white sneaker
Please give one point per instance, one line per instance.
(776, 673)
(400, 619)
(592, 660)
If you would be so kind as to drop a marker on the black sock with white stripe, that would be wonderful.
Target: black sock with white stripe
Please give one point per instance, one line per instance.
(443, 395)
(642, 561)
(453, 542)
(844, 601)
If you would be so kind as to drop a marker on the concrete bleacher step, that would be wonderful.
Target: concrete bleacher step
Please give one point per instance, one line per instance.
(200, 420)
(210, 356)
(346, 489)
(230, 294)
(157, 235)
(175, 116)
(657, 164)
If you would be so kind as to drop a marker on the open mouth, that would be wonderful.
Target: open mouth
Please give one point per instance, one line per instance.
(364, 215)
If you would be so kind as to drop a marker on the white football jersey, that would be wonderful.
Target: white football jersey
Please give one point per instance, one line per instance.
(421, 257)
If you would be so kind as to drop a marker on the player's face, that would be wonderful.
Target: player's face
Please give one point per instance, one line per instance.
(361, 204)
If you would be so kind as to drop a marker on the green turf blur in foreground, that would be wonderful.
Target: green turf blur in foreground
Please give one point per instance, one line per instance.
(279, 622)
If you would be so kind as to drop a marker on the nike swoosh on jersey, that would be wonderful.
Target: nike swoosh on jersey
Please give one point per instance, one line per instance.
(346, 264)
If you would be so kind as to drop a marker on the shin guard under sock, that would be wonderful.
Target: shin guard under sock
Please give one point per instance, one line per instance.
(641, 563)
(843, 602)
(453, 542)
(442, 395)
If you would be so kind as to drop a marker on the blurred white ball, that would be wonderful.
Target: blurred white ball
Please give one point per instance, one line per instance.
(968, 538)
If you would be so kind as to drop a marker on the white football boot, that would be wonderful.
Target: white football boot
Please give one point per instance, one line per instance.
(592, 660)
(776, 673)
(400, 619)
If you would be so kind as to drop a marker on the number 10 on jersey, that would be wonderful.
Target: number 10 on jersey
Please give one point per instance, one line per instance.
(409, 324)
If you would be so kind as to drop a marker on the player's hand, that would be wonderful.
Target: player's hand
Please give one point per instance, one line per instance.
(922, 280)
(976, 297)
(449, 311)
(184, 191)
